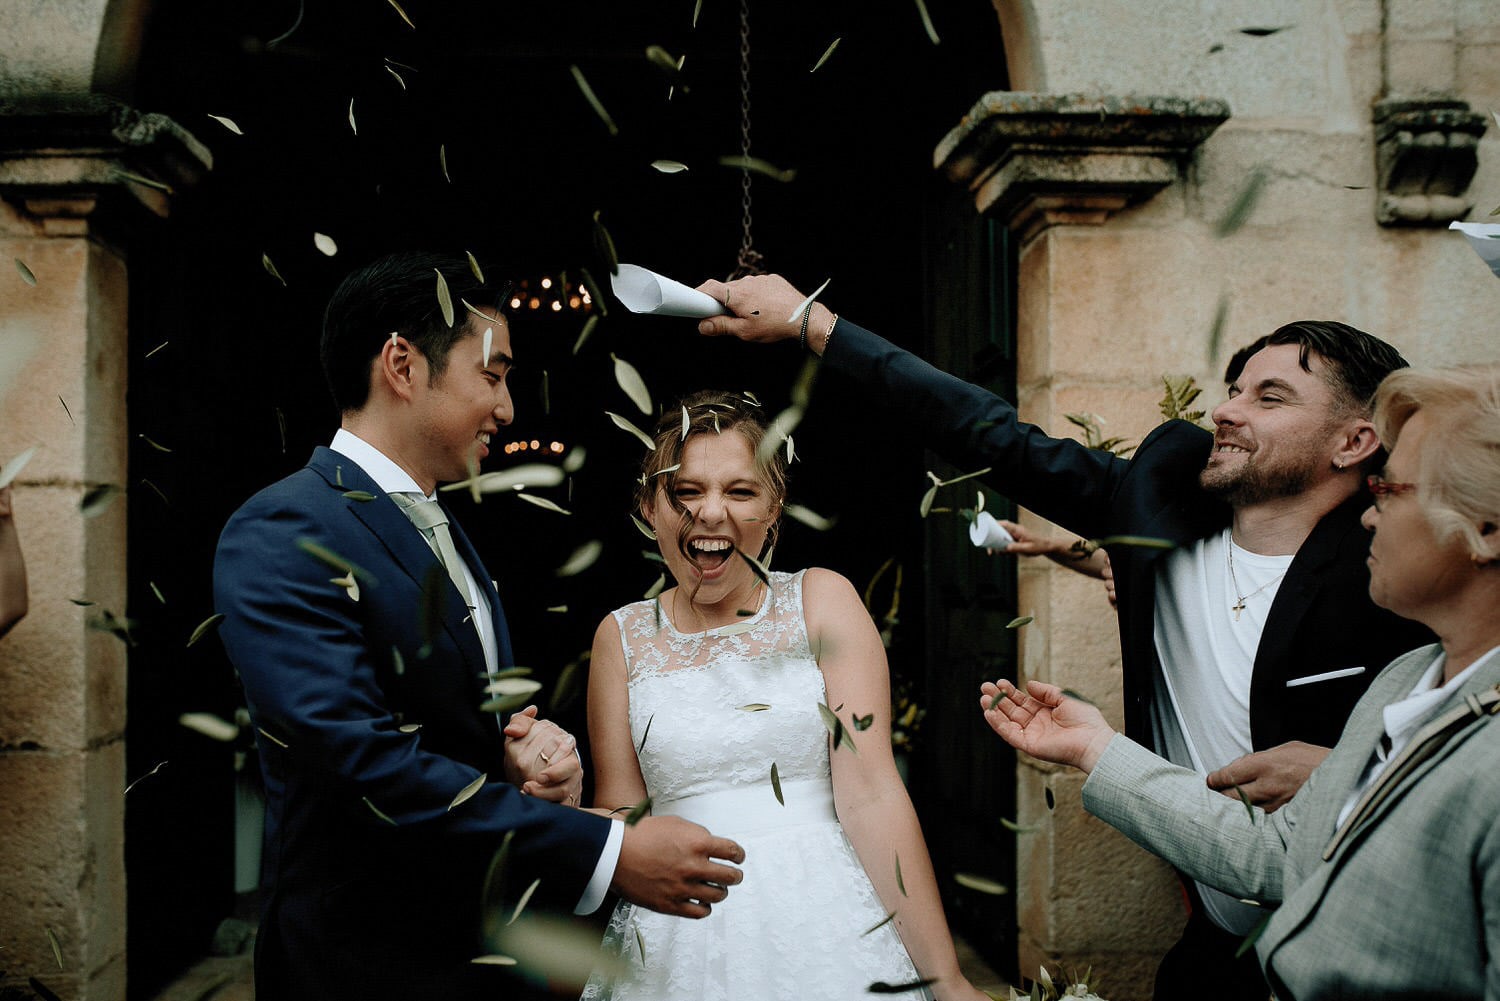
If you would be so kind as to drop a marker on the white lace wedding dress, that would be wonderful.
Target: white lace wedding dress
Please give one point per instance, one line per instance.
(799, 925)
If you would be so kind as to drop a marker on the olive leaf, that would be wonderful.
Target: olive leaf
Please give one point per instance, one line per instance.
(587, 331)
(1020, 621)
(13, 468)
(210, 726)
(525, 899)
(900, 883)
(808, 517)
(927, 23)
(594, 102)
(1245, 798)
(826, 53)
(332, 559)
(203, 628)
(655, 590)
(1070, 693)
(530, 475)
(863, 723)
(364, 496)
(566, 688)
(661, 59)
(348, 583)
(754, 707)
(776, 785)
(494, 959)
(353, 127)
(445, 301)
(1244, 203)
(97, 499)
(265, 262)
(1264, 32)
(980, 884)
(595, 298)
(668, 166)
(468, 791)
(56, 947)
(267, 736)
(604, 245)
(836, 728)
(543, 503)
(474, 267)
(1012, 826)
(640, 944)
(644, 528)
(159, 766)
(876, 927)
(755, 566)
(1216, 330)
(637, 812)
(780, 429)
(26, 273)
(697, 9)
(806, 304)
(398, 662)
(228, 123)
(759, 166)
(393, 73)
(631, 383)
(625, 425)
(443, 161)
(396, 5)
(143, 181)
(1249, 941)
(1139, 541)
(580, 559)
(325, 244)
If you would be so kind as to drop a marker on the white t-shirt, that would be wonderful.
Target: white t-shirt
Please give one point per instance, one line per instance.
(1207, 651)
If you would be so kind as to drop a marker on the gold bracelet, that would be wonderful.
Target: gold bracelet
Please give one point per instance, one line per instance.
(828, 334)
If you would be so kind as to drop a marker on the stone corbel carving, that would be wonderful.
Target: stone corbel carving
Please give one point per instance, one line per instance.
(59, 155)
(1426, 152)
(1037, 160)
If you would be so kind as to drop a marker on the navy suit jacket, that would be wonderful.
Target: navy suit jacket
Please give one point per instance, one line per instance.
(368, 725)
(1321, 621)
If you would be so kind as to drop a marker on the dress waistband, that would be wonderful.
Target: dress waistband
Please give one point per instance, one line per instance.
(754, 809)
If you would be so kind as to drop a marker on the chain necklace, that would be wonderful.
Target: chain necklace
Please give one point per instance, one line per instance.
(1240, 599)
(749, 261)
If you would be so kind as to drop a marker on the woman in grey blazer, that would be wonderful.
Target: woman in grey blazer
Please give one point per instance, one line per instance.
(1384, 870)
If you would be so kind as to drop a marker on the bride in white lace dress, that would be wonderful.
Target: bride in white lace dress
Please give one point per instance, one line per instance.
(717, 701)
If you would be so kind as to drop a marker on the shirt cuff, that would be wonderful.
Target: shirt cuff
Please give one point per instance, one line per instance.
(604, 870)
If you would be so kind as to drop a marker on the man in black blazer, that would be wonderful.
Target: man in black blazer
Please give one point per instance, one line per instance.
(1247, 676)
(365, 654)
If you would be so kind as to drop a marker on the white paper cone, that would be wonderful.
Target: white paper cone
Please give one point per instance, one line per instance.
(645, 291)
(1484, 237)
(987, 533)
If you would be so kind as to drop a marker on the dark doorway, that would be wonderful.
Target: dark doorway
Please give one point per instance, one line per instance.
(484, 91)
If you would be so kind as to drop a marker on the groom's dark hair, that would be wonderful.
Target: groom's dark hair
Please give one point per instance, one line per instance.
(398, 293)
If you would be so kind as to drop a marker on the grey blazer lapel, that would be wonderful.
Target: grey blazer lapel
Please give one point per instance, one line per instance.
(1464, 713)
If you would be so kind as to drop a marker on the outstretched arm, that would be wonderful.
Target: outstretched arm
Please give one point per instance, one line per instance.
(868, 793)
(973, 428)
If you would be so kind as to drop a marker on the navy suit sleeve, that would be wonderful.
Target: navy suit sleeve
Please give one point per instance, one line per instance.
(1060, 479)
(314, 688)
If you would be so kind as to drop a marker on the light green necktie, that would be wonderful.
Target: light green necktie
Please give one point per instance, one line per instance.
(429, 517)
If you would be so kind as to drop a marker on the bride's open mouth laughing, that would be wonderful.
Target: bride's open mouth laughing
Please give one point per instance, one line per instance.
(708, 553)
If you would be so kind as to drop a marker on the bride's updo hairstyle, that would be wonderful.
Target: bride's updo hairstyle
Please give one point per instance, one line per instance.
(712, 412)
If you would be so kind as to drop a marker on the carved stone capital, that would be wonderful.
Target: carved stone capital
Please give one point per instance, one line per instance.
(1426, 152)
(1036, 160)
(64, 156)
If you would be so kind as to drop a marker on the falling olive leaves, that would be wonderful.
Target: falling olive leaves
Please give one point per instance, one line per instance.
(468, 791)
(444, 298)
(205, 627)
(625, 425)
(776, 785)
(593, 100)
(631, 384)
(826, 53)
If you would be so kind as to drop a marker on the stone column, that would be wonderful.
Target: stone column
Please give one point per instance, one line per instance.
(75, 175)
(1057, 169)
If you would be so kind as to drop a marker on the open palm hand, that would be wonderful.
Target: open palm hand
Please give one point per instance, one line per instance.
(1044, 723)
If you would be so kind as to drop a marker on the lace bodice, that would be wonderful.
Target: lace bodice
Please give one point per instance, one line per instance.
(688, 693)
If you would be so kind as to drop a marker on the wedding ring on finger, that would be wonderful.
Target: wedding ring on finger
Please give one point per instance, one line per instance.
(543, 755)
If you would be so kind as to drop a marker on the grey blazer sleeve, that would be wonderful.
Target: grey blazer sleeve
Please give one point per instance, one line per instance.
(1171, 812)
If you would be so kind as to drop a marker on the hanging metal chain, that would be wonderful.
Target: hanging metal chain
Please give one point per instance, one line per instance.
(749, 260)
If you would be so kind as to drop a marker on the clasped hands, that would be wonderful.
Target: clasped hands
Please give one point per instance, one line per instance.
(540, 759)
(1046, 724)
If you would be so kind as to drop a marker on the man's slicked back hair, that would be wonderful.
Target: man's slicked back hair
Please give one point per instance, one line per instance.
(1355, 360)
(397, 293)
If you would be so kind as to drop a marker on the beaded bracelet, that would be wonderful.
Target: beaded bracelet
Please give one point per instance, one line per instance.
(802, 336)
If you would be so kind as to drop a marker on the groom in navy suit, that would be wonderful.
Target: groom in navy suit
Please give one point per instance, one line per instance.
(365, 654)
